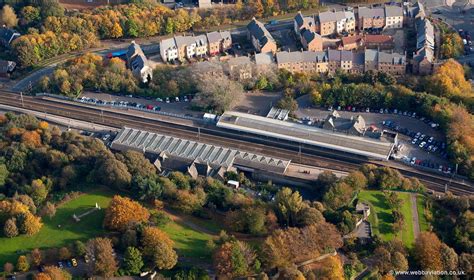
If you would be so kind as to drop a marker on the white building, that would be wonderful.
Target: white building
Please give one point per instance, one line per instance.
(393, 16)
(345, 21)
(201, 45)
(168, 50)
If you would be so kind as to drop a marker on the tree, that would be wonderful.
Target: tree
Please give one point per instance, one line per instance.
(3, 174)
(64, 253)
(449, 80)
(399, 262)
(233, 259)
(137, 163)
(116, 31)
(452, 45)
(217, 93)
(56, 273)
(8, 16)
(449, 258)
(293, 245)
(101, 249)
(331, 269)
(427, 251)
(288, 205)
(158, 247)
(8, 267)
(29, 14)
(113, 172)
(38, 191)
(22, 264)
(48, 210)
(42, 276)
(291, 273)
(124, 212)
(36, 257)
(132, 261)
(31, 139)
(10, 229)
(79, 248)
(29, 224)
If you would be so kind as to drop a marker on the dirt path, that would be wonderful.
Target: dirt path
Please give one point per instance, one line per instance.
(180, 220)
(414, 211)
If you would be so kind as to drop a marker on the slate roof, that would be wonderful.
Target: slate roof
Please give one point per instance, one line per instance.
(184, 40)
(260, 32)
(305, 56)
(392, 58)
(200, 40)
(417, 10)
(309, 36)
(358, 59)
(192, 151)
(339, 55)
(167, 44)
(214, 37)
(393, 11)
(423, 53)
(301, 20)
(374, 12)
(424, 34)
(264, 58)
(371, 55)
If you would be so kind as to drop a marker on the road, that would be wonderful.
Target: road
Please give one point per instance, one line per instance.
(309, 155)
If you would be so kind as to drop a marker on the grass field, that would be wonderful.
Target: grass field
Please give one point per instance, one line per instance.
(53, 236)
(189, 243)
(382, 220)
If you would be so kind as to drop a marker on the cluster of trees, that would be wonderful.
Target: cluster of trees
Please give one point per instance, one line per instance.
(93, 72)
(451, 43)
(16, 218)
(51, 32)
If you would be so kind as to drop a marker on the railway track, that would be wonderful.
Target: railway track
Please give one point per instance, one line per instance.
(267, 146)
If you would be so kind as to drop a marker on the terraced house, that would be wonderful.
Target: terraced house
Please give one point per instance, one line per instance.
(261, 39)
(393, 16)
(371, 18)
(218, 42)
(332, 22)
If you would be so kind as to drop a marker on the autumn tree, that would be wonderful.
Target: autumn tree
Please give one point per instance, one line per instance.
(331, 269)
(124, 212)
(36, 257)
(293, 245)
(10, 229)
(8, 16)
(427, 251)
(42, 276)
(452, 45)
(48, 210)
(8, 267)
(116, 31)
(113, 172)
(137, 164)
(217, 93)
(56, 273)
(132, 261)
(31, 139)
(101, 249)
(158, 248)
(449, 80)
(22, 264)
(233, 259)
(29, 224)
(64, 253)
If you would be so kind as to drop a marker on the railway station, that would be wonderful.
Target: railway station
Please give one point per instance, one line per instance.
(194, 158)
(373, 148)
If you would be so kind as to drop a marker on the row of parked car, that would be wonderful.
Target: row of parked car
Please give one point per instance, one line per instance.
(426, 142)
(428, 164)
(119, 104)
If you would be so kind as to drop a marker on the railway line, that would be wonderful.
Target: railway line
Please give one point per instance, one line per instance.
(272, 147)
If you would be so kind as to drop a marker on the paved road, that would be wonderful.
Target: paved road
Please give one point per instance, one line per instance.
(414, 211)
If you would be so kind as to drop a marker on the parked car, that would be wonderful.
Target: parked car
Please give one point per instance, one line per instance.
(422, 144)
(167, 100)
(413, 160)
(74, 262)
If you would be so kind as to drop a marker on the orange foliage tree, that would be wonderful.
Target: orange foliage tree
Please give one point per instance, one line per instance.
(123, 212)
(427, 251)
(158, 247)
(31, 139)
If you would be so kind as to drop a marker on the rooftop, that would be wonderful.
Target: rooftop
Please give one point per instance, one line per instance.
(167, 44)
(371, 12)
(264, 58)
(213, 155)
(393, 11)
(259, 31)
(311, 135)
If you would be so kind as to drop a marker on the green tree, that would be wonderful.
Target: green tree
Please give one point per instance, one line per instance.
(132, 261)
(288, 205)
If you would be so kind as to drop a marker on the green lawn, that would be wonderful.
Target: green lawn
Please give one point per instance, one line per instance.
(382, 219)
(189, 243)
(53, 236)
(420, 204)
